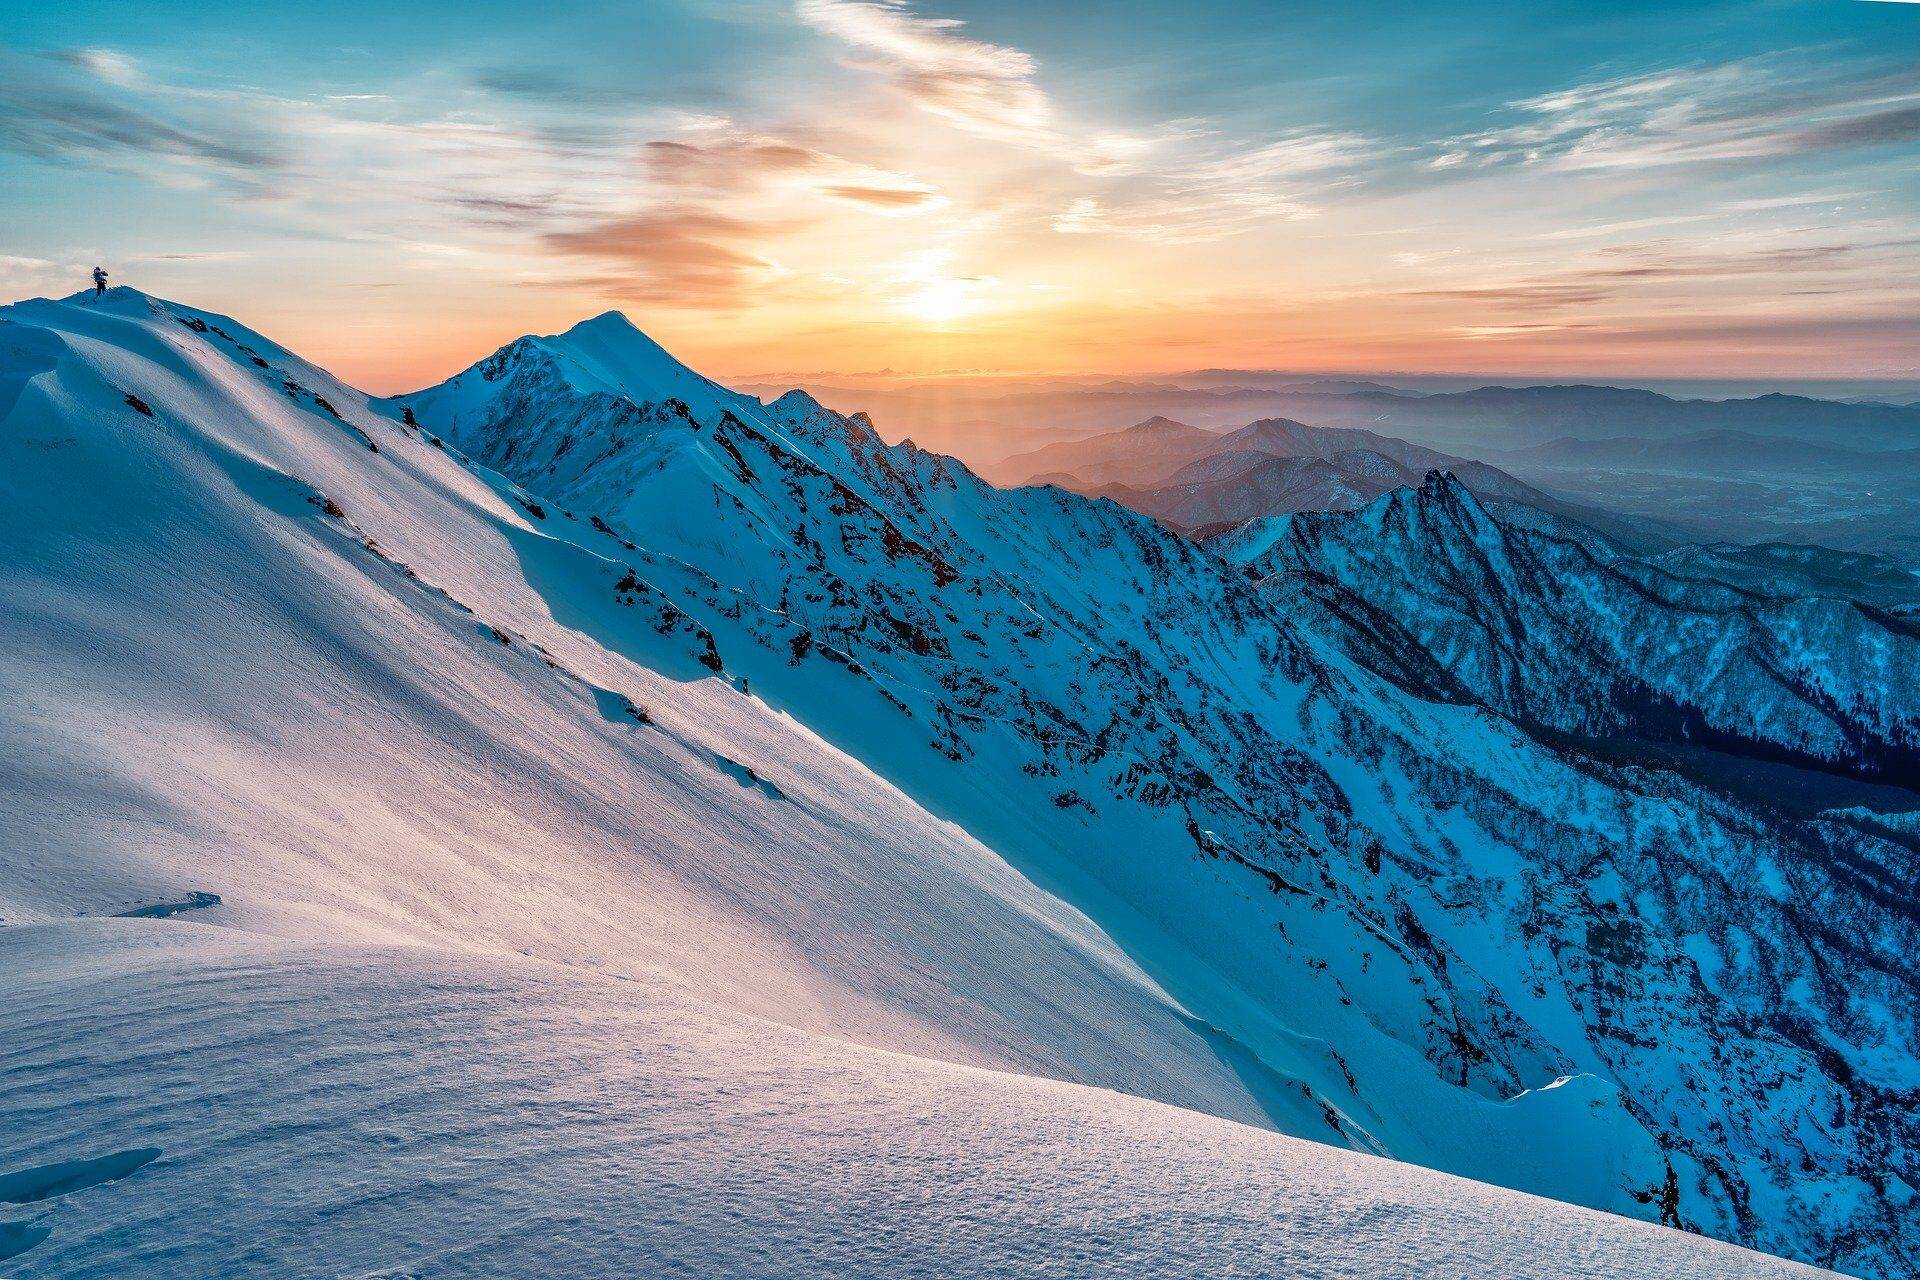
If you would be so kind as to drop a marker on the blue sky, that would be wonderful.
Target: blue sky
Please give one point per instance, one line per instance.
(838, 185)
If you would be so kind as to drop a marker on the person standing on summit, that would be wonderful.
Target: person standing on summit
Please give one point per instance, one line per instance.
(99, 281)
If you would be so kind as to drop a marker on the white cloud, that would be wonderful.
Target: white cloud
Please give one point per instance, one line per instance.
(1221, 193)
(1716, 113)
(981, 87)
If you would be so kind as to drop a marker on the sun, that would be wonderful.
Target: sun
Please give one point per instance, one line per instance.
(940, 300)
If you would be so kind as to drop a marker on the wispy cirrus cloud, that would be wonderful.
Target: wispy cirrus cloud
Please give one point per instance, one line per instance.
(1873, 269)
(108, 64)
(66, 108)
(1746, 110)
(1870, 129)
(902, 199)
(341, 155)
(719, 202)
(989, 90)
(1714, 214)
(721, 161)
(1175, 182)
(984, 88)
(1212, 196)
(670, 255)
(1539, 295)
(685, 210)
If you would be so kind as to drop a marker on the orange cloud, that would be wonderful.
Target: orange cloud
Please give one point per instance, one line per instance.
(671, 255)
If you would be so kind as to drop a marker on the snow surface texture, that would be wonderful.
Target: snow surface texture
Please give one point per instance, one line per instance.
(485, 913)
(459, 1115)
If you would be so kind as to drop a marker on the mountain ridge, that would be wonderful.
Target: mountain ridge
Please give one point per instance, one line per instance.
(752, 707)
(1846, 665)
(895, 613)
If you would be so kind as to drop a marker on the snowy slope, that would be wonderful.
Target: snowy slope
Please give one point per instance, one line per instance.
(215, 683)
(1423, 931)
(290, 1109)
(556, 918)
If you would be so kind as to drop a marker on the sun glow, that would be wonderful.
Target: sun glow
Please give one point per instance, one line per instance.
(924, 289)
(940, 301)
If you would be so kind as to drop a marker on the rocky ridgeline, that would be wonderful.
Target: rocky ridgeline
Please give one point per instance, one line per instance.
(1425, 928)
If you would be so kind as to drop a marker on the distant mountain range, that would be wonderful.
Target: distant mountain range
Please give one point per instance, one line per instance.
(1769, 468)
(984, 423)
(1513, 417)
(1727, 453)
(1201, 481)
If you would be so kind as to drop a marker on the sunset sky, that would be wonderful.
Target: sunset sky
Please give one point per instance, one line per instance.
(809, 186)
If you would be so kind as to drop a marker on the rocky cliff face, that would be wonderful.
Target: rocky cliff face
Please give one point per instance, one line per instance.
(1553, 626)
(1412, 926)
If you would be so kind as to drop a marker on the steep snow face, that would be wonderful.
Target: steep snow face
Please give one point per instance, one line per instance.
(1559, 631)
(1422, 931)
(604, 356)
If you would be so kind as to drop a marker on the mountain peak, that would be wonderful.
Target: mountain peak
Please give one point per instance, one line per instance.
(1160, 423)
(611, 338)
(609, 326)
(118, 292)
(612, 317)
(796, 401)
(1439, 483)
(1283, 432)
(1442, 491)
(609, 354)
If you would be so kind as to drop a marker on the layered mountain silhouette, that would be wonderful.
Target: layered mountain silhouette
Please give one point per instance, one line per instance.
(1203, 482)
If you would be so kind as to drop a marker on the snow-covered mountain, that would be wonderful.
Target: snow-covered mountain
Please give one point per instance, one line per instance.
(1405, 913)
(1554, 627)
(582, 820)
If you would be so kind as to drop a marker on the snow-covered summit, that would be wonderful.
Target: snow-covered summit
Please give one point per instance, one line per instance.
(608, 354)
(603, 356)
